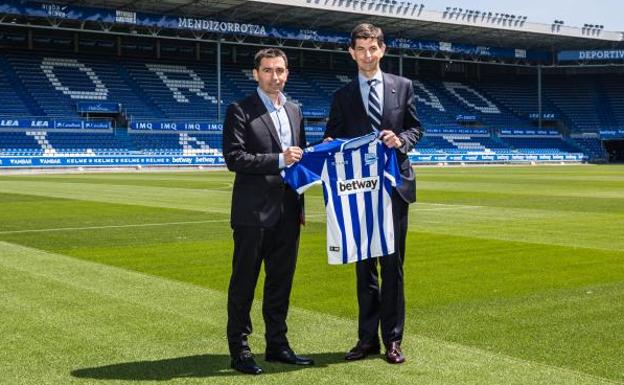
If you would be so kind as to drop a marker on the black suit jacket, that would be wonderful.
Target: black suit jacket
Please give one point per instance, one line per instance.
(348, 119)
(251, 147)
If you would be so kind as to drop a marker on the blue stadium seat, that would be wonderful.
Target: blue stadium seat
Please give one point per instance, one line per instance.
(50, 84)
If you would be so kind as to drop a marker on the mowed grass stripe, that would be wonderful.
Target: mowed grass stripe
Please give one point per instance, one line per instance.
(210, 175)
(518, 199)
(559, 189)
(111, 227)
(547, 226)
(81, 322)
(555, 181)
(29, 212)
(203, 200)
(575, 327)
(441, 268)
(612, 172)
(212, 180)
(541, 226)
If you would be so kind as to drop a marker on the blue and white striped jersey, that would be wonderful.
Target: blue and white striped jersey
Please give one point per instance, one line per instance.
(357, 176)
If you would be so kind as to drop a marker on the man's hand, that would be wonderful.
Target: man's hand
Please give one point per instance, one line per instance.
(328, 139)
(292, 154)
(390, 139)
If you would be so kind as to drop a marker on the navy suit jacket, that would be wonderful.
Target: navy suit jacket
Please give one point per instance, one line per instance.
(251, 148)
(348, 119)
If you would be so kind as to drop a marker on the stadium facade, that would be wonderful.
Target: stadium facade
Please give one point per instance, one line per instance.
(111, 83)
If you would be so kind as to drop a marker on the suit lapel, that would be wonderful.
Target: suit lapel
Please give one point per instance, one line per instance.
(294, 122)
(391, 100)
(363, 124)
(266, 119)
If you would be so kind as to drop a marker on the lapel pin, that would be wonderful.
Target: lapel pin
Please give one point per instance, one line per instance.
(393, 91)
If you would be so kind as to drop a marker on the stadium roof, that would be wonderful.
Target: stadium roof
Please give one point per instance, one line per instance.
(398, 19)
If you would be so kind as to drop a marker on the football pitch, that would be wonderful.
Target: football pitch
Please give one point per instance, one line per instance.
(514, 275)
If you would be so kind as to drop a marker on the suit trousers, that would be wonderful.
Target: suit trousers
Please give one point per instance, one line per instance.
(277, 247)
(384, 304)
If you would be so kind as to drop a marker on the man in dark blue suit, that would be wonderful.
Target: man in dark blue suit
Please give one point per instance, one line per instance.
(384, 103)
(262, 134)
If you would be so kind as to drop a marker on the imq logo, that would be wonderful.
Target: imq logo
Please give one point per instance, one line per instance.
(355, 186)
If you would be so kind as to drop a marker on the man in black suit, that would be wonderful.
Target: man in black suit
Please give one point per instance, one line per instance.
(262, 134)
(385, 103)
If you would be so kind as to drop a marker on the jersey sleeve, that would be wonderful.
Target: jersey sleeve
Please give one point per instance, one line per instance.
(391, 167)
(305, 173)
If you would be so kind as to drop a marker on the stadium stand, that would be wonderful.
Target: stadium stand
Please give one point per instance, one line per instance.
(578, 100)
(170, 101)
(535, 145)
(176, 144)
(51, 85)
(591, 146)
(611, 89)
(517, 94)
(15, 103)
(152, 89)
(19, 144)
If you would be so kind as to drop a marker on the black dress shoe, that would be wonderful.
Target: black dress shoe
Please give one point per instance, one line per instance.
(287, 356)
(361, 350)
(245, 363)
(394, 355)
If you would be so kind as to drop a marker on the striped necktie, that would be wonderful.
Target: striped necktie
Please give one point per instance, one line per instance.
(374, 107)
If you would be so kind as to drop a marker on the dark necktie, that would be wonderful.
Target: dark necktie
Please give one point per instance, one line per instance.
(374, 106)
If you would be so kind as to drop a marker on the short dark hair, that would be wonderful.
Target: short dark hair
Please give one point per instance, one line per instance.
(367, 31)
(269, 53)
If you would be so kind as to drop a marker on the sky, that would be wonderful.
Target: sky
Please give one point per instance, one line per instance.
(575, 13)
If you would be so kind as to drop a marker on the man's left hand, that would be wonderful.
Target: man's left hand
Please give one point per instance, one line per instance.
(390, 139)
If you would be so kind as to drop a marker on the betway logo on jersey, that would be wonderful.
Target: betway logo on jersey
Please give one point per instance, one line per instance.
(354, 186)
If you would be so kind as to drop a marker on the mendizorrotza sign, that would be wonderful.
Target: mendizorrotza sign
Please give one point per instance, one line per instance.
(221, 26)
(105, 15)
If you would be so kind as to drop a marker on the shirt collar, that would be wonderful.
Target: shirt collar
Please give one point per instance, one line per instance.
(268, 103)
(364, 80)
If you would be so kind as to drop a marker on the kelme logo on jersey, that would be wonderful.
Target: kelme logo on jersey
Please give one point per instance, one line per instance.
(354, 186)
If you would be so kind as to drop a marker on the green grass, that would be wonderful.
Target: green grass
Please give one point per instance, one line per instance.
(514, 275)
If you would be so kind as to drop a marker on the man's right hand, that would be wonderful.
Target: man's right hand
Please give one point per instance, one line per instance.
(328, 139)
(292, 154)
